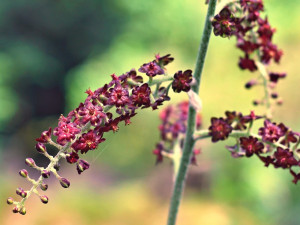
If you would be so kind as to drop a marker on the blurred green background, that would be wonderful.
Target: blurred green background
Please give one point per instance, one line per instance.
(51, 51)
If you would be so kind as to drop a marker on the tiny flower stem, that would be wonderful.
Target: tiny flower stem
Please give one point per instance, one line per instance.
(264, 75)
(160, 80)
(189, 140)
(59, 147)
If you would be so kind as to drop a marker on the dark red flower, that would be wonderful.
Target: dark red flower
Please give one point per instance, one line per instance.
(270, 51)
(247, 46)
(274, 77)
(236, 119)
(162, 96)
(72, 157)
(251, 145)
(119, 96)
(182, 81)
(87, 141)
(246, 63)
(65, 132)
(151, 69)
(163, 60)
(91, 113)
(45, 136)
(130, 76)
(270, 132)
(141, 95)
(266, 159)
(265, 31)
(224, 23)
(284, 158)
(219, 129)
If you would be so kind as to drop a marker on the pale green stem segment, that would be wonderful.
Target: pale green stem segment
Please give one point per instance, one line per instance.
(264, 75)
(189, 140)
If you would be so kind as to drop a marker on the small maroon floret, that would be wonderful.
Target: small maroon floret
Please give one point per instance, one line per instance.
(274, 77)
(72, 158)
(270, 132)
(45, 136)
(164, 60)
(219, 129)
(284, 158)
(119, 96)
(91, 113)
(224, 23)
(87, 141)
(151, 69)
(246, 63)
(251, 145)
(141, 95)
(182, 81)
(65, 131)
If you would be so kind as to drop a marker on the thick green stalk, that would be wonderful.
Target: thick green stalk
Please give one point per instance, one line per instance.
(189, 140)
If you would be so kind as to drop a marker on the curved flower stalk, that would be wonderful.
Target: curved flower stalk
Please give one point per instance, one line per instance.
(83, 129)
(253, 33)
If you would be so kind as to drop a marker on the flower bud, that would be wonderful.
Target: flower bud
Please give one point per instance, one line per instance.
(23, 173)
(10, 201)
(23, 194)
(45, 174)
(64, 182)
(274, 95)
(250, 84)
(45, 136)
(30, 162)
(40, 147)
(56, 166)
(19, 191)
(82, 165)
(44, 199)
(22, 211)
(44, 187)
(16, 209)
(256, 102)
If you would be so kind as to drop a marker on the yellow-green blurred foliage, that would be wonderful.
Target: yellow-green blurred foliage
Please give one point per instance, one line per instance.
(123, 186)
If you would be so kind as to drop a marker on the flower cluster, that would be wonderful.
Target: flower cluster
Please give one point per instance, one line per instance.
(172, 131)
(274, 144)
(82, 130)
(243, 20)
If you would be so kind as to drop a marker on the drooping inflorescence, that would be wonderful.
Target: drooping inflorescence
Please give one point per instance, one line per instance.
(253, 33)
(83, 129)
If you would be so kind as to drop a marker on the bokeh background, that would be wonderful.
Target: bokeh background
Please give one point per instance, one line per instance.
(51, 51)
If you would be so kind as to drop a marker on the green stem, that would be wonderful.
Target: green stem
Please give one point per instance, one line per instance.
(189, 140)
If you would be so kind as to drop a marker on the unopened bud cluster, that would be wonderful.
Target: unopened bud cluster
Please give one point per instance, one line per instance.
(82, 130)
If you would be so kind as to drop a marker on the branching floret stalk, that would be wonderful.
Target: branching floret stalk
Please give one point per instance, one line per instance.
(82, 130)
